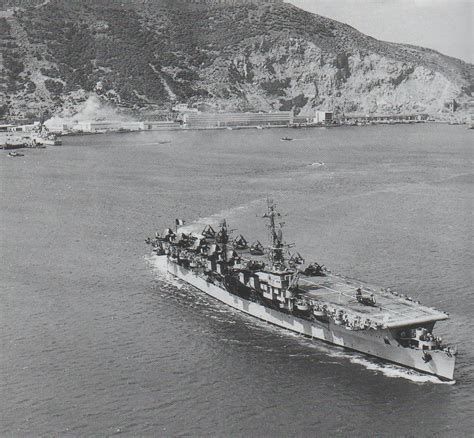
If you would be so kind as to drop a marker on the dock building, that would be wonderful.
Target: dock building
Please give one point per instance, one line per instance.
(98, 126)
(156, 125)
(384, 118)
(223, 120)
(13, 136)
(104, 126)
(323, 117)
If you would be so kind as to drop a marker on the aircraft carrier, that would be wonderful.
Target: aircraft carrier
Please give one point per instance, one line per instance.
(270, 283)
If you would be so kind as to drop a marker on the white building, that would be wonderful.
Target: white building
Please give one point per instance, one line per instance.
(108, 126)
(221, 120)
(132, 126)
(323, 117)
(183, 108)
(59, 126)
(161, 124)
(12, 136)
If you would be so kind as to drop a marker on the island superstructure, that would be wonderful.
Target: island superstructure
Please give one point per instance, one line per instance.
(278, 287)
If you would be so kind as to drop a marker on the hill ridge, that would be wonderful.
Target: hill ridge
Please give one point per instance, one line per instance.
(242, 57)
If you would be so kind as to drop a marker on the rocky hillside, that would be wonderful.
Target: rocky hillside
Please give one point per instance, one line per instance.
(246, 57)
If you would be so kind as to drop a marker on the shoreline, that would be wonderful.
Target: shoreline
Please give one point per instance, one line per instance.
(237, 128)
(258, 127)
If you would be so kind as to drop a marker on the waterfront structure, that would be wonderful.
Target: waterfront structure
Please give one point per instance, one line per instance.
(12, 136)
(59, 126)
(25, 128)
(184, 108)
(96, 126)
(309, 300)
(323, 117)
(161, 125)
(6, 128)
(108, 126)
(384, 118)
(31, 135)
(115, 126)
(132, 126)
(223, 120)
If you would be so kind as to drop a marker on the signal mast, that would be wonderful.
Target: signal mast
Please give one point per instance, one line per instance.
(276, 254)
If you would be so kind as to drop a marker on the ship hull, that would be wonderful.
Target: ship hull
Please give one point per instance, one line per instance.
(378, 343)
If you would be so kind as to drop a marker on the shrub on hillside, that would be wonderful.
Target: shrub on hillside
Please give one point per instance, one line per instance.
(51, 72)
(30, 87)
(4, 110)
(297, 102)
(4, 28)
(277, 87)
(12, 63)
(54, 87)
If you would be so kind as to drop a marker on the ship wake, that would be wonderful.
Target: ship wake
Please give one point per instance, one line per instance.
(158, 265)
(394, 371)
(333, 351)
(215, 219)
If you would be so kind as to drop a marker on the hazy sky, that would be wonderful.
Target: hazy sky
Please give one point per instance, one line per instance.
(444, 25)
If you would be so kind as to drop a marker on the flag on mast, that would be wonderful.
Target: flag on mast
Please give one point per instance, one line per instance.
(179, 222)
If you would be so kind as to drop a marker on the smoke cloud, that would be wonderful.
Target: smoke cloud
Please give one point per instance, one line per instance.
(93, 109)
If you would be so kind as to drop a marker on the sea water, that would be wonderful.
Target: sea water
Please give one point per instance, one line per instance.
(97, 340)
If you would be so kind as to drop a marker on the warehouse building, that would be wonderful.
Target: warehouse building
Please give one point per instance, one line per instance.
(224, 120)
(323, 117)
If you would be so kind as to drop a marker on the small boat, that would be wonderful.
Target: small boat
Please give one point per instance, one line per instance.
(15, 154)
(286, 139)
(164, 141)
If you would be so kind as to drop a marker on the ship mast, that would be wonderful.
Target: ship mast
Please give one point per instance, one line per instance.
(222, 239)
(276, 254)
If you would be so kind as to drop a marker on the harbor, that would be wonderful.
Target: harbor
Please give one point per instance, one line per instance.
(236, 218)
(33, 135)
(103, 323)
(27, 135)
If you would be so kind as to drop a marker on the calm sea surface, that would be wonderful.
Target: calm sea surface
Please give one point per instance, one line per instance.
(94, 340)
